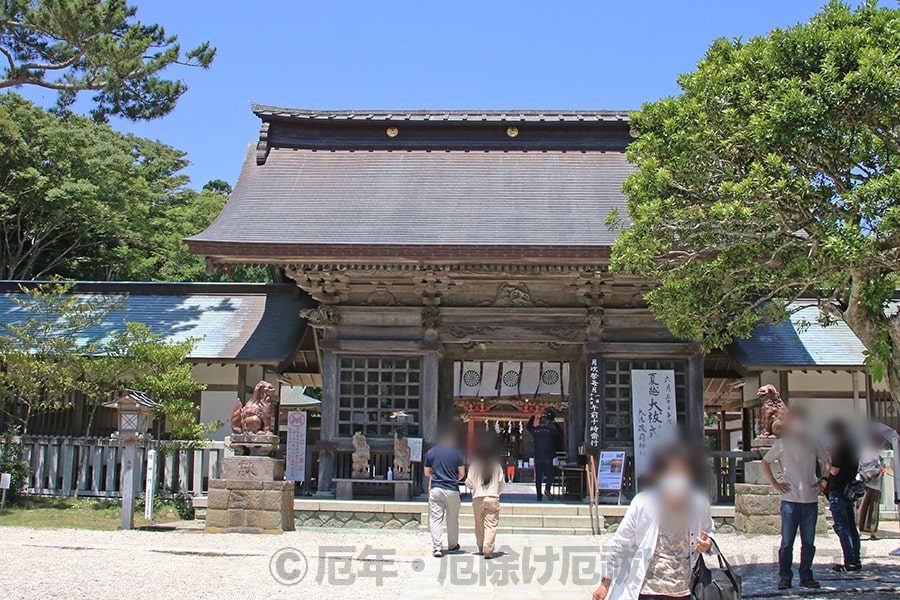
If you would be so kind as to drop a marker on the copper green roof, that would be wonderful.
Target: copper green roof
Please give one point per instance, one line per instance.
(800, 341)
(248, 323)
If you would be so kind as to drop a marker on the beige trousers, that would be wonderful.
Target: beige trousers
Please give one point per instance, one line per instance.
(487, 519)
(443, 503)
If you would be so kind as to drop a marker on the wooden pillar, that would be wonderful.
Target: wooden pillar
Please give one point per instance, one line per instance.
(577, 419)
(430, 407)
(694, 404)
(445, 393)
(784, 387)
(329, 419)
(242, 383)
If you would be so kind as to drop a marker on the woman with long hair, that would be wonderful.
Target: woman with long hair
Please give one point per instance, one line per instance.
(486, 480)
(664, 531)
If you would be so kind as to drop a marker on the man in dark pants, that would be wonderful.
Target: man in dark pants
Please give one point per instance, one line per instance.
(844, 466)
(546, 438)
(798, 455)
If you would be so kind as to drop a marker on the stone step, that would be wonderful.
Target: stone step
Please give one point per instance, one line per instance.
(532, 524)
(534, 530)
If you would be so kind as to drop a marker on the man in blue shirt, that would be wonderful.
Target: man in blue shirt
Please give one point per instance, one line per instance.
(444, 467)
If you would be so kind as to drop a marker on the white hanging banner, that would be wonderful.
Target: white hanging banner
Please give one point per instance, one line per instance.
(653, 413)
(415, 449)
(510, 378)
(295, 451)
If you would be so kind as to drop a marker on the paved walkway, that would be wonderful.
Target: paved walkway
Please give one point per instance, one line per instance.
(557, 567)
(374, 565)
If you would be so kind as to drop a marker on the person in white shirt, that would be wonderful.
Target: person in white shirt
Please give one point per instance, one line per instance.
(486, 480)
(662, 534)
(798, 456)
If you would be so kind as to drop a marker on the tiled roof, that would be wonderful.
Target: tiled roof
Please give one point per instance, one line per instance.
(303, 196)
(800, 342)
(254, 323)
(497, 116)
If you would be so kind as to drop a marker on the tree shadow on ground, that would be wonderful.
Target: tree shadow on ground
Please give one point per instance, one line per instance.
(878, 576)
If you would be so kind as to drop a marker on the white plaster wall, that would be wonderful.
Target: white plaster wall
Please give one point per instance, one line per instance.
(813, 381)
(215, 374)
(217, 406)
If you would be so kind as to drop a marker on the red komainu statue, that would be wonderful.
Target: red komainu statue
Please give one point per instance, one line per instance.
(256, 415)
(773, 410)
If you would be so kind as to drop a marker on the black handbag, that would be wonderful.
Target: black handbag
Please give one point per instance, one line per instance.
(854, 490)
(716, 584)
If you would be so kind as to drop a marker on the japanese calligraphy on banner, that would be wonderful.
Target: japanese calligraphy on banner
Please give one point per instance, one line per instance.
(594, 398)
(653, 413)
(295, 451)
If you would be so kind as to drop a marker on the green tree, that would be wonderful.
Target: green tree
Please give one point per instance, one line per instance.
(158, 369)
(774, 176)
(73, 46)
(43, 355)
(81, 201)
(51, 353)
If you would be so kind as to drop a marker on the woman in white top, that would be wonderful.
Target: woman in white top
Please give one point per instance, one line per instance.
(486, 480)
(664, 531)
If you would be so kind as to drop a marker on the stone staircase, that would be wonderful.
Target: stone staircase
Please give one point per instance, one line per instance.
(537, 518)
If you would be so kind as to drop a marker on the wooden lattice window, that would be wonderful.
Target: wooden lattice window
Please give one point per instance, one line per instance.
(618, 430)
(371, 389)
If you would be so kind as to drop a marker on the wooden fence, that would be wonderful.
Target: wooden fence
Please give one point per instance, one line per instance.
(60, 465)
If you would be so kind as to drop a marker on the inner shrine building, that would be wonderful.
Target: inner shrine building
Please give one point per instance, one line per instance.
(459, 262)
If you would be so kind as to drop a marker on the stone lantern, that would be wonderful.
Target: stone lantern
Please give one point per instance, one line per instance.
(134, 411)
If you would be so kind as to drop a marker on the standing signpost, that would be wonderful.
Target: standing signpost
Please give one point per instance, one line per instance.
(295, 451)
(610, 472)
(150, 487)
(5, 480)
(655, 419)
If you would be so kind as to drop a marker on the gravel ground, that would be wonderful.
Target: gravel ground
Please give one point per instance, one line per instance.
(43, 563)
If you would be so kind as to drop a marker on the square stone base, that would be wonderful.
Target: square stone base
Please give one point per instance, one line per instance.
(248, 506)
(757, 510)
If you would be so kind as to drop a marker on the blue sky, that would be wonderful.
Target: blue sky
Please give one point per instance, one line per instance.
(436, 55)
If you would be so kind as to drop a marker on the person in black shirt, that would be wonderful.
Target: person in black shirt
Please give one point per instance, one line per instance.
(546, 437)
(844, 466)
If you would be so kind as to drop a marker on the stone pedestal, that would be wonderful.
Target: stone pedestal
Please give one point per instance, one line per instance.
(250, 497)
(757, 505)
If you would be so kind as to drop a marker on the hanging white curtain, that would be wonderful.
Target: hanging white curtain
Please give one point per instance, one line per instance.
(507, 378)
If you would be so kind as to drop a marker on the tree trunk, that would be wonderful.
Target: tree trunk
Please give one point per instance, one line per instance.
(869, 326)
(892, 368)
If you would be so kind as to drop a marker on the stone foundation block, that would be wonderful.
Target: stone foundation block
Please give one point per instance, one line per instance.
(259, 468)
(248, 506)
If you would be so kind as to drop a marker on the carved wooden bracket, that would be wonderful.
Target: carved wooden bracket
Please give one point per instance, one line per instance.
(431, 317)
(595, 317)
(262, 146)
(328, 286)
(431, 285)
(322, 315)
(593, 287)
